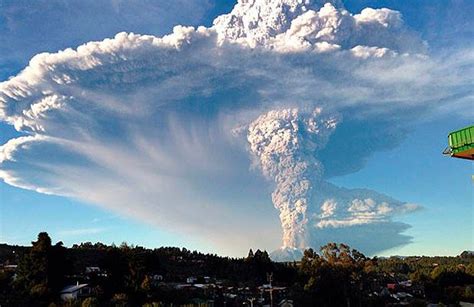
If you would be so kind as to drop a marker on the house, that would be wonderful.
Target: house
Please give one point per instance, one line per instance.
(402, 296)
(95, 271)
(10, 267)
(92, 269)
(191, 280)
(75, 291)
(286, 303)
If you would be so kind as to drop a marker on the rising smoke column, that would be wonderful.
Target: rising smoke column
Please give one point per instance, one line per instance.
(140, 124)
(284, 141)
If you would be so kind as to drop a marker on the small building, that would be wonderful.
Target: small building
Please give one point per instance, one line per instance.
(10, 267)
(92, 269)
(391, 286)
(191, 280)
(286, 303)
(95, 271)
(74, 292)
(402, 296)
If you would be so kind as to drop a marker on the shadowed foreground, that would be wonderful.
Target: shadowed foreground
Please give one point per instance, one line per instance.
(100, 275)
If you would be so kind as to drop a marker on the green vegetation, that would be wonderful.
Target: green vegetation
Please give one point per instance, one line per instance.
(135, 276)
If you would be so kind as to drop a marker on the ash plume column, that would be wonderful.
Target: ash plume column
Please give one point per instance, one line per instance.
(285, 142)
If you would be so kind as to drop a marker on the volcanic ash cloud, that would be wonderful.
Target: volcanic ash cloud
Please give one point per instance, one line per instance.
(285, 142)
(143, 125)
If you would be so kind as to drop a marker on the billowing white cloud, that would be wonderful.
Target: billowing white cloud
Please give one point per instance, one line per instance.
(166, 129)
(328, 208)
(286, 142)
(25, 24)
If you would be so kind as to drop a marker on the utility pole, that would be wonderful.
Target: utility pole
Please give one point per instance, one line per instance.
(270, 279)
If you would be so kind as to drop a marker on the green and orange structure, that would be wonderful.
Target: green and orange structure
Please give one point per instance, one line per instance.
(461, 143)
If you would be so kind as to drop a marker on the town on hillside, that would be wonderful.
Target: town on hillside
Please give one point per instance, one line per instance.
(47, 274)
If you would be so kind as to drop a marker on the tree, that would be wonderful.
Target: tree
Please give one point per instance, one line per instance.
(334, 278)
(120, 299)
(250, 255)
(146, 284)
(90, 302)
(116, 265)
(41, 271)
(33, 268)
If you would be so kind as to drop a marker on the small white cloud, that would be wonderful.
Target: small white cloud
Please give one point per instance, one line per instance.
(328, 208)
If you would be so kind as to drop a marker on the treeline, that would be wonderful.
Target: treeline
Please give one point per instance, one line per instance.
(340, 276)
(336, 275)
(44, 269)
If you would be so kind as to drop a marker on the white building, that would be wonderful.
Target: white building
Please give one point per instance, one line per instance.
(75, 291)
(191, 280)
(92, 269)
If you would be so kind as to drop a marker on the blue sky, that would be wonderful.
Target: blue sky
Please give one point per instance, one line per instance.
(414, 171)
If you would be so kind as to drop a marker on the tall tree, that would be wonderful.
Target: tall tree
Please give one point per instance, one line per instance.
(41, 271)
